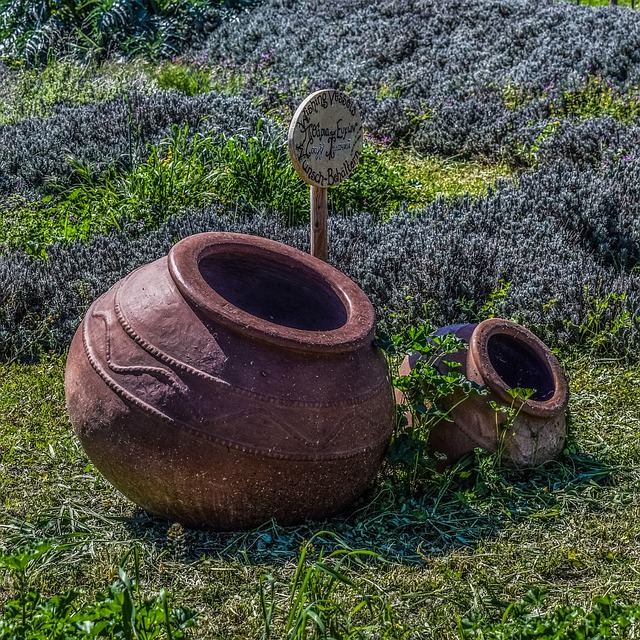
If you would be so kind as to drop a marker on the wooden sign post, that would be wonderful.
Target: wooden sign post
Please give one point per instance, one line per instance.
(325, 142)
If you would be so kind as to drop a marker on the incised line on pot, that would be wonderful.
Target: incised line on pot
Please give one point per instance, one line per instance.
(290, 430)
(235, 389)
(287, 428)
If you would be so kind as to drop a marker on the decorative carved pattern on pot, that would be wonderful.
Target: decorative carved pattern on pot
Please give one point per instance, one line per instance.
(233, 381)
(503, 355)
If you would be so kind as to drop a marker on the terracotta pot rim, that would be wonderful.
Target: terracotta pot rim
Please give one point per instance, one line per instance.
(184, 260)
(478, 350)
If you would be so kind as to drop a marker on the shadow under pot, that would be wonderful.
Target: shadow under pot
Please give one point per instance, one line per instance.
(502, 356)
(233, 381)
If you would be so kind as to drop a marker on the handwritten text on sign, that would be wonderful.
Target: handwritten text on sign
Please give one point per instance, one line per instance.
(325, 138)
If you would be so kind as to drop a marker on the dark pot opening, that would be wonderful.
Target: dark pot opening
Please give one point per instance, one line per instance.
(286, 296)
(520, 367)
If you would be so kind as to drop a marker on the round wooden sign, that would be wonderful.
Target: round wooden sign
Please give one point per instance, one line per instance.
(325, 138)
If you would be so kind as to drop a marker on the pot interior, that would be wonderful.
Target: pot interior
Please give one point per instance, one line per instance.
(285, 295)
(520, 367)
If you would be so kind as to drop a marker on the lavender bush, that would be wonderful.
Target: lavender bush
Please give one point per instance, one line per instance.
(434, 74)
(38, 152)
(545, 85)
(562, 238)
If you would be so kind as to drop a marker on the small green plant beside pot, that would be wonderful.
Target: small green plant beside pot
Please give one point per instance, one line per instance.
(497, 384)
(422, 392)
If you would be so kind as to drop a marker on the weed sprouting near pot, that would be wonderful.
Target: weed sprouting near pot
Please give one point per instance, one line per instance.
(509, 413)
(422, 389)
(607, 321)
(325, 598)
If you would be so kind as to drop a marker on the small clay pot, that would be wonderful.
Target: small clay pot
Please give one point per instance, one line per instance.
(503, 355)
(231, 382)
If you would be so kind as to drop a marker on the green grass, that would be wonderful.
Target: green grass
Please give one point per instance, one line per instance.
(594, 98)
(187, 171)
(431, 177)
(32, 92)
(469, 542)
(193, 78)
(602, 3)
(28, 92)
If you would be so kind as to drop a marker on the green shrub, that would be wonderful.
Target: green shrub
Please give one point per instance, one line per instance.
(188, 79)
(597, 97)
(192, 171)
(377, 185)
(607, 618)
(257, 169)
(121, 611)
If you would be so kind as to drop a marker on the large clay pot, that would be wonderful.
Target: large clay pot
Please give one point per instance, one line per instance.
(503, 355)
(231, 382)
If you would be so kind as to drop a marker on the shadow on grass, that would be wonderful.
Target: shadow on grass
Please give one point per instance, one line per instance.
(403, 517)
(405, 521)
